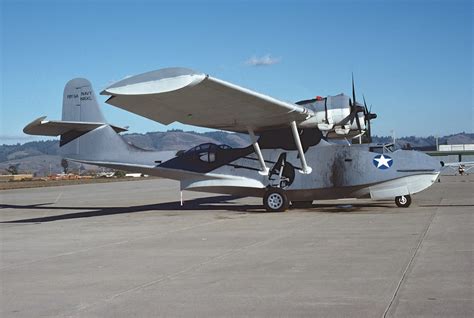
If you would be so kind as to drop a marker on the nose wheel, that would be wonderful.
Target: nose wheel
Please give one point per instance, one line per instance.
(403, 201)
(275, 200)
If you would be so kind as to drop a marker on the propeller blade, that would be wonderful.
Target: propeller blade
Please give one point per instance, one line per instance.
(358, 123)
(355, 109)
(326, 110)
(352, 113)
(369, 133)
(346, 120)
(348, 117)
(368, 116)
(365, 106)
(353, 91)
(369, 130)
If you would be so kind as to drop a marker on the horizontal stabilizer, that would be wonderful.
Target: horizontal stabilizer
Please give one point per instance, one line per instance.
(44, 127)
(68, 130)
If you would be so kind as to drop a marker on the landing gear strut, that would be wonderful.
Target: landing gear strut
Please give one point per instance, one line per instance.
(403, 201)
(275, 200)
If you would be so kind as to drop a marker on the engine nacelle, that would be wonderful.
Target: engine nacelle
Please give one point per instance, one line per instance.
(329, 114)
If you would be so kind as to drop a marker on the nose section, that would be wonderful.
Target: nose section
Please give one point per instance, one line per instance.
(431, 162)
(419, 162)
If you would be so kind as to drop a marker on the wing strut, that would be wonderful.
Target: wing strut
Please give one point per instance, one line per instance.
(254, 139)
(306, 169)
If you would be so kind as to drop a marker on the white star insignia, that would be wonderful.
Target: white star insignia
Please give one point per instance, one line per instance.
(382, 161)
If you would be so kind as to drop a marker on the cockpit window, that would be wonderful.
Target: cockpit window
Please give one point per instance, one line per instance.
(376, 149)
(201, 147)
(389, 147)
(208, 147)
(382, 148)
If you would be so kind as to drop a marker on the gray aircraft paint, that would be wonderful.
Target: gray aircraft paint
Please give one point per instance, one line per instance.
(337, 170)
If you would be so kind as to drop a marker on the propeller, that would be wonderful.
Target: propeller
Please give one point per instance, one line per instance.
(368, 116)
(354, 109)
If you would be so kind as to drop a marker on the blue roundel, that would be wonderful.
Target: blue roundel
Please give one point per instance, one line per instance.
(382, 162)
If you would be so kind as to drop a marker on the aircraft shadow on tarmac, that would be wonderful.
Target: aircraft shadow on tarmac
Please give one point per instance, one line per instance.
(221, 203)
(444, 205)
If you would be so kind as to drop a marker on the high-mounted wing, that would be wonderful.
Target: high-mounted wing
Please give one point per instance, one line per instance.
(185, 96)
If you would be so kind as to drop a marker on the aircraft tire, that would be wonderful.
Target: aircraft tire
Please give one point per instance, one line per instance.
(302, 204)
(403, 201)
(275, 200)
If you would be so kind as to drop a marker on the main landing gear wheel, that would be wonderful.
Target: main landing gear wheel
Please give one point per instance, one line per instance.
(403, 201)
(275, 200)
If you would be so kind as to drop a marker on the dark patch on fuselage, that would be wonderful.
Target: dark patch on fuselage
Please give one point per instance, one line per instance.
(338, 168)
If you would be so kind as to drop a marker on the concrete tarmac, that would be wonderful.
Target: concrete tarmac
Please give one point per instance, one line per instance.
(128, 249)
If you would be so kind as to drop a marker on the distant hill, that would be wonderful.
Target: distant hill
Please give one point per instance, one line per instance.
(181, 140)
(41, 157)
(29, 149)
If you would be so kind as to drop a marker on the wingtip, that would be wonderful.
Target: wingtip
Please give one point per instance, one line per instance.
(28, 128)
(154, 82)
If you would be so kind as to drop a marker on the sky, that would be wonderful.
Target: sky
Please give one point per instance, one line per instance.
(413, 60)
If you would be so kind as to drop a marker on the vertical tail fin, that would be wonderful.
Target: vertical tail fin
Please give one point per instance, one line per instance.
(80, 103)
(85, 134)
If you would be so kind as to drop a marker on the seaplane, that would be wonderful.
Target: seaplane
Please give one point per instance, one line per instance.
(314, 149)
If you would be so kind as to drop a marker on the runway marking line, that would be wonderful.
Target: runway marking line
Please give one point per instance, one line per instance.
(410, 264)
